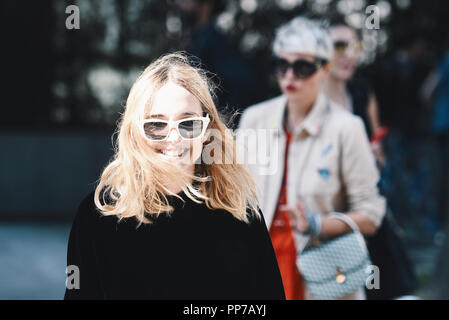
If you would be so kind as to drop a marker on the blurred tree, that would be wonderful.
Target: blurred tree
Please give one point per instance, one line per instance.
(80, 78)
(27, 63)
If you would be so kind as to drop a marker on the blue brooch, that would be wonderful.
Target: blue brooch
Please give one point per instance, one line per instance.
(324, 173)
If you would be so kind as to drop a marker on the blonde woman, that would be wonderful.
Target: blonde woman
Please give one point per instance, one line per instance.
(163, 224)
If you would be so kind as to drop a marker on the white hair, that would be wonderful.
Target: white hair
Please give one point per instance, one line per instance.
(302, 35)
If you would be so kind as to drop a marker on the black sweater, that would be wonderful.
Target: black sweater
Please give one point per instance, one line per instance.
(195, 253)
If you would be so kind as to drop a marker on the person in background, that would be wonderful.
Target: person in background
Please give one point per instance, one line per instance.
(385, 247)
(411, 174)
(163, 223)
(236, 78)
(435, 93)
(353, 94)
(321, 152)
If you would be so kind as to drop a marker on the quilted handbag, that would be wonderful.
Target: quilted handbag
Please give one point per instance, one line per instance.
(337, 267)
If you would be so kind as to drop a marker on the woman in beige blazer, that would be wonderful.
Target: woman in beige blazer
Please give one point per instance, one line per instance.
(319, 158)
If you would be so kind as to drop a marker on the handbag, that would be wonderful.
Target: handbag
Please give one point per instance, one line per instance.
(337, 267)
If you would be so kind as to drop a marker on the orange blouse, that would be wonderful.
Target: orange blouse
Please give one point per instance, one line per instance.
(282, 237)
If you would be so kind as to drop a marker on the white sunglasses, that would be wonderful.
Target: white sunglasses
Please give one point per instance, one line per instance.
(188, 129)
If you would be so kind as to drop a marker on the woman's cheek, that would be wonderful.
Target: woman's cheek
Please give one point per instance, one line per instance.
(154, 145)
(196, 148)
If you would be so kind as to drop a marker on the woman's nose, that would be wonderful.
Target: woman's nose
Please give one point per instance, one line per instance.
(289, 74)
(173, 135)
(350, 54)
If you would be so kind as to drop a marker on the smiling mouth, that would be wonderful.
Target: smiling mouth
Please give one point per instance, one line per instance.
(173, 154)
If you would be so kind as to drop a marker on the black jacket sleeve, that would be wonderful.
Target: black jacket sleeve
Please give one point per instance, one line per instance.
(81, 253)
(267, 279)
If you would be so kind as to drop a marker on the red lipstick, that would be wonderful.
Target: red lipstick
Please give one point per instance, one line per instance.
(290, 88)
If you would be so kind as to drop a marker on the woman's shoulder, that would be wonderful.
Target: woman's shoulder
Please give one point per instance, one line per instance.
(86, 205)
(342, 119)
(225, 219)
(88, 213)
(259, 111)
(224, 226)
(255, 221)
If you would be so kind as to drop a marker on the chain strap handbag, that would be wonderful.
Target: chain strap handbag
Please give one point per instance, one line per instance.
(337, 267)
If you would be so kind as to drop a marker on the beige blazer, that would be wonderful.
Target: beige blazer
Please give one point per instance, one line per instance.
(330, 163)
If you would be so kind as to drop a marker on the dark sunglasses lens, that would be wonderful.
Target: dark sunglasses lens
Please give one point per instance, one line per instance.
(156, 130)
(303, 69)
(281, 66)
(340, 45)
(190, 129)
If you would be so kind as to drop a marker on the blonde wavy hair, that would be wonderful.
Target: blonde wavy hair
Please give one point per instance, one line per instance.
(132, 184)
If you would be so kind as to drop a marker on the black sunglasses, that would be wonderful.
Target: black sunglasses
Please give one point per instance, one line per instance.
(301, 68)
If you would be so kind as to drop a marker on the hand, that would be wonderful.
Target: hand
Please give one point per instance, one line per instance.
(297, 216)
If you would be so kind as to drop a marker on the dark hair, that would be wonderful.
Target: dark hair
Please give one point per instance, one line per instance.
(218, 6)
